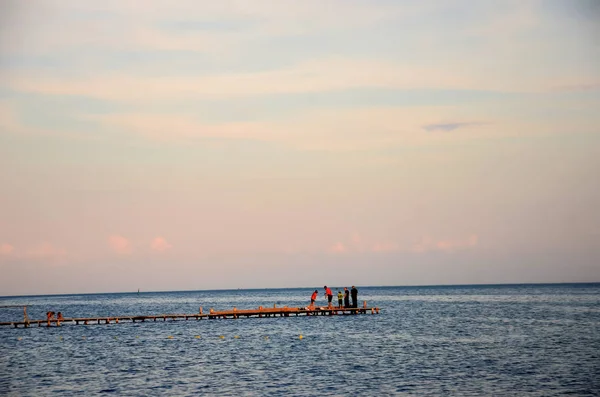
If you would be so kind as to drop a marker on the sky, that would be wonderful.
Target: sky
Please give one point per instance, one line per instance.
(253, 144)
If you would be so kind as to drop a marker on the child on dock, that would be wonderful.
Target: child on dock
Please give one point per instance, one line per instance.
(340, 298)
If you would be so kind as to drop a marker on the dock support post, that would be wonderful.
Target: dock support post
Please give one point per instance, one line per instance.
(25, 317)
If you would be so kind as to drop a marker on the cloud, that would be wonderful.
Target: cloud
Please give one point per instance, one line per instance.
(46, 252)
(357, 244)
(311, 75)
(159, 244)
(338, 248)
(194, 26)
(385, 246)
(337, 129)
(427, 244)
(446, 127)
(111, 30)
(120, 244)
(356, 241)
(581, 87)
(6, 249)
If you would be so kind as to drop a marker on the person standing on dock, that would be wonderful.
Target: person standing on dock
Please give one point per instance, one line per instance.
(354, 294)
(313, 298)
(340, 298)
(346, 298)
(329, 295)
(49, 317)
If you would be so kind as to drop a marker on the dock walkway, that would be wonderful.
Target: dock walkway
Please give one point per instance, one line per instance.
(212, 315)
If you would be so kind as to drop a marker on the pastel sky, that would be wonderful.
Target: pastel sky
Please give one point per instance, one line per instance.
(245, 144)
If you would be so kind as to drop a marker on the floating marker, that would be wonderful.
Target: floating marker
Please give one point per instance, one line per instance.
(236, 337)
(170, 337)
(137, 337)
(19, 338)
(222, 337)
(266, 337)
(197, 336)
(300, 337)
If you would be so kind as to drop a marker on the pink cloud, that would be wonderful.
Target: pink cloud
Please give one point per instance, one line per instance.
(160, 244)
(119, 244)
(338, 248)
(357, 243)
(46, 251)
(424, 244)
(385, 247)
(447, 245)
(43, 252)
(6, 249)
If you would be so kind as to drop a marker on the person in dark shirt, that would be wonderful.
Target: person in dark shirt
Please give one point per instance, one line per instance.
(346, 298)
(354, 293)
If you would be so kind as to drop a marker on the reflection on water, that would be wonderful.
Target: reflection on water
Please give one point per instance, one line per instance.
(502, 340)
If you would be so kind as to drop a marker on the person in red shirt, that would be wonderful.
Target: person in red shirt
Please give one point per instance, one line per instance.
(49, 317)
(329, 295)
(313, 298)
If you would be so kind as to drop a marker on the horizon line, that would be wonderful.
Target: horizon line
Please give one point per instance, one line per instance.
(293, 288)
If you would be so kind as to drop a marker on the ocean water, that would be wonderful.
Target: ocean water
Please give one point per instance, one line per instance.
(538, 340)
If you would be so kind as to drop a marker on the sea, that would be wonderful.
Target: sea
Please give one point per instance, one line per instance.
(468, 340)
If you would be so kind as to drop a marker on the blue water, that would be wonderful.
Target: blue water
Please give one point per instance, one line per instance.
(458, 340)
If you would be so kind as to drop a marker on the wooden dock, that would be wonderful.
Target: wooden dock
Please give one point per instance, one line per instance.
(212, 315)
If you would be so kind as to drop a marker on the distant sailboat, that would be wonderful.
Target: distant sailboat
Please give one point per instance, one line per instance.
(138, 290)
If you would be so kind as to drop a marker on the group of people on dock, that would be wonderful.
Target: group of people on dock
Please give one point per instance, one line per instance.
(50, 317)
(343, 298)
